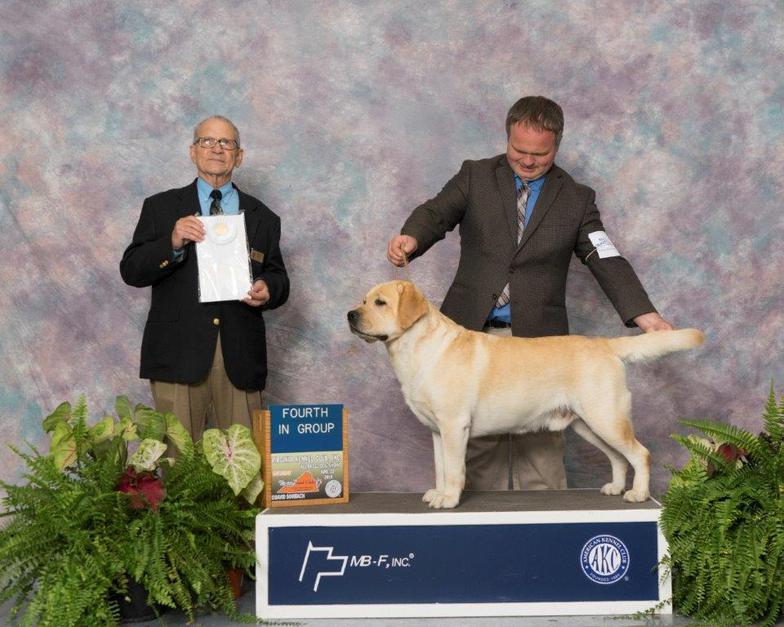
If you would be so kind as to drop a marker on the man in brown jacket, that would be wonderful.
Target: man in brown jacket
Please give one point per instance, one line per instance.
(521, 217)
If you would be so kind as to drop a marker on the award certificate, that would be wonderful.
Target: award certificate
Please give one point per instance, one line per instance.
(224, 266)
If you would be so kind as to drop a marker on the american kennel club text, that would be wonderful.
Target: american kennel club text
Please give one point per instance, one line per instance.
(604, 559)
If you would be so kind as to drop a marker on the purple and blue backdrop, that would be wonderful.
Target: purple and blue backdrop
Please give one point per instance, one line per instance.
(351, 114)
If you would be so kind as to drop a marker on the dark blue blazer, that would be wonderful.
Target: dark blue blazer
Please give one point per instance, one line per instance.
(181, 333)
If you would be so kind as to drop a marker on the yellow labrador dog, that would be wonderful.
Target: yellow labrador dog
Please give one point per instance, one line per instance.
(463, 384)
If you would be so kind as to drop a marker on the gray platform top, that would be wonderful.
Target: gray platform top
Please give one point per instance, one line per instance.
(507, 501)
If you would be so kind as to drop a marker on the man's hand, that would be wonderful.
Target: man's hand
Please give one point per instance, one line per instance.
(258, 294)
(652, 322)
(187, 229)
(399, 249)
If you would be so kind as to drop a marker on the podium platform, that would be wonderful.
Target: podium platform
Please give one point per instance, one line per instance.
(385, 554)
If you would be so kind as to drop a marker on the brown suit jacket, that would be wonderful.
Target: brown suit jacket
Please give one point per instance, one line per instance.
(481, 198)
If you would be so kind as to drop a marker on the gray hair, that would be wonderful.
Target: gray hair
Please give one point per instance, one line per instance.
(222, 119)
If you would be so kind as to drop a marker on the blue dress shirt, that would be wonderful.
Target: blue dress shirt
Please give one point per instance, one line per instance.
(230, 202)
(505, 313)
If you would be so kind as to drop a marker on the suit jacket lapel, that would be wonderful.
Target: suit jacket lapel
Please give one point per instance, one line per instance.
(250, 210)
(550, 189)
(506, 187)
(189, 201)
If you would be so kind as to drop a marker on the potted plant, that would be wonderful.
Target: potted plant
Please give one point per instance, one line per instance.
(105, 509)
(723, 517)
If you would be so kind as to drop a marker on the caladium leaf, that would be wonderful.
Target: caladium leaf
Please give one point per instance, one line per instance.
(150, 424)
(178, 435)
(146, 456)
(61, 414)
(145, 489)
(102, 430)
(63, 446)
(127, 428)
(233, 455)
(122, 407)
(251, 491)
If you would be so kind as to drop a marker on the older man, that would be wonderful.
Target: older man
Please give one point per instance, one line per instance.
(521, 217)
(202, 357)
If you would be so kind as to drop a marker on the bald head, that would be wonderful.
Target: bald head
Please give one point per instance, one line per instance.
(197, 128)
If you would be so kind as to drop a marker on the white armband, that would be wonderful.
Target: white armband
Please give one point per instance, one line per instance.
(603, 245)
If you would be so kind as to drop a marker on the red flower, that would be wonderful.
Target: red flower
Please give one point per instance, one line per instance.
(145, 489)
(730, 452)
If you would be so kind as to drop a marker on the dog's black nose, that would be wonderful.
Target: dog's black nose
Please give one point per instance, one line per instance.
(353, 316)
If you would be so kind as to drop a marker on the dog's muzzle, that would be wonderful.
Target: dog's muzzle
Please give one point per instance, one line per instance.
(354, 318)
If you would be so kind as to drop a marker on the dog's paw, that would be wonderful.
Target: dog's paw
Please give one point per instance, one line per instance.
(636, 496)
(430, 495)
(611, 489)
(441, 500)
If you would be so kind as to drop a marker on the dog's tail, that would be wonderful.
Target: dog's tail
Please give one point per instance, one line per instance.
(655, 344)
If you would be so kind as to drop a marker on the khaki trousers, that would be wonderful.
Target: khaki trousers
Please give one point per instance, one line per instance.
(532, 461)
(215, 397)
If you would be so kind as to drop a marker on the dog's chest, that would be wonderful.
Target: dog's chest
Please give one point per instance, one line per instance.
(420, 405)
(425, 416)
(418, 364)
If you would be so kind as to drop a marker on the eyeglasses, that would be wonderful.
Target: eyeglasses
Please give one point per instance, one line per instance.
(210, 142)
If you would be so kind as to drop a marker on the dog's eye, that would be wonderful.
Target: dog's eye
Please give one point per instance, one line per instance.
(379, 302)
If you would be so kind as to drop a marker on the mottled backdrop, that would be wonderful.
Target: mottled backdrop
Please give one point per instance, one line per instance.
(351, 114)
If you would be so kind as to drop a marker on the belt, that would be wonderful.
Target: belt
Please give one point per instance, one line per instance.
(495, 323)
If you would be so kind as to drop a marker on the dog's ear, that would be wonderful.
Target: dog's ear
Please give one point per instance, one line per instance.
(411, 306)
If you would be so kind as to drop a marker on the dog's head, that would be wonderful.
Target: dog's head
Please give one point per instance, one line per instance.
(388, 310)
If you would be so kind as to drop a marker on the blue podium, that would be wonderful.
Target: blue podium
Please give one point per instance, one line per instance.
(570, 552)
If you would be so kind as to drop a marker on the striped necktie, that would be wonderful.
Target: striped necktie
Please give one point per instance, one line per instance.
(215, 207)
(522, 201)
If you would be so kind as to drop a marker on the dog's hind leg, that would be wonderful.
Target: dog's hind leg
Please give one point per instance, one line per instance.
(616, 431)
(438, 458)
(617, 461)
(454, 439)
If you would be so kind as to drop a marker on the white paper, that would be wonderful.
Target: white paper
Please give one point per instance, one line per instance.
(603, 245)
(224, 269)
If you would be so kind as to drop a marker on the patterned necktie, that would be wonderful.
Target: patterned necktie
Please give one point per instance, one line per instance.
(522, 201)
(215, 207)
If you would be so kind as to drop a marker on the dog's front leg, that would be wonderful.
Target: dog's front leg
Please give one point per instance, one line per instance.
(454, 439)
(438, 458)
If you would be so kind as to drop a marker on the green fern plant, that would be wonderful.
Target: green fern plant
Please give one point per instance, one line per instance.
(723, 517)
(84, 524)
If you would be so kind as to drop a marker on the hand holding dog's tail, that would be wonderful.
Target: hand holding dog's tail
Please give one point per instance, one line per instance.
(654, 344)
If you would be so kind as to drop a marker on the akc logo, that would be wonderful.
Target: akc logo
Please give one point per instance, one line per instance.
(604, 559)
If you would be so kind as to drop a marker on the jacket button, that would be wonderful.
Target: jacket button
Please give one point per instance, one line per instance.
(216, 321)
